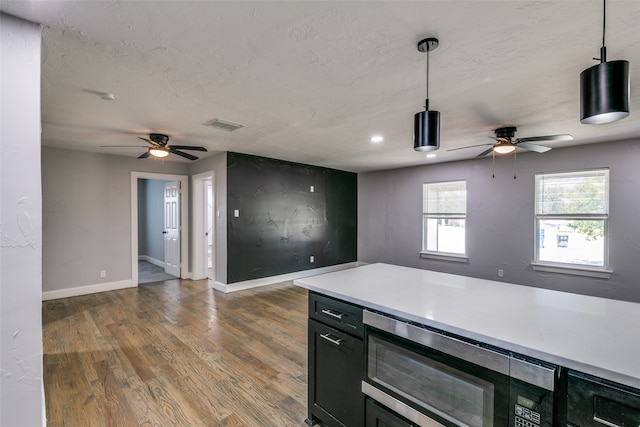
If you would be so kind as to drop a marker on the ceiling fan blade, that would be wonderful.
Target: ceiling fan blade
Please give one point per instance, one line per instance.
(469, 146)
(144, 155)
(564, 137)
(123, 146)
(150, 141)
(188, 147)
(182, 154)
(485, 152)
(533, 147)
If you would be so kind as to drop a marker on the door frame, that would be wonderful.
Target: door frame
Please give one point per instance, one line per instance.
(199, 224)
(184, 214)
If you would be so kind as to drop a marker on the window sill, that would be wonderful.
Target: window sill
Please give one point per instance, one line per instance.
(443, 256)
(576, 271)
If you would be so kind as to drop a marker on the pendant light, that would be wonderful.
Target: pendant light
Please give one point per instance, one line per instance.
(426, 124)
(604, 88)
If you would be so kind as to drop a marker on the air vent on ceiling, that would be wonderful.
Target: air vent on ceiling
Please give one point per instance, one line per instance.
(224, 125)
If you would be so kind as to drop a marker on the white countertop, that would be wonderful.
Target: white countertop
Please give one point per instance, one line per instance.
(593, 335)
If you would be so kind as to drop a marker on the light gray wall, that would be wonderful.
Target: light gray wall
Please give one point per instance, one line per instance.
(87, 215)
(217, 164)
(151, 218)
(500, 217)
(21, 389)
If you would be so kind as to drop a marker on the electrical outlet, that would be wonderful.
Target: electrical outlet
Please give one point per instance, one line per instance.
(236, 213)
(312, 259)
(500, 272)
(312, 189)
(103, 273)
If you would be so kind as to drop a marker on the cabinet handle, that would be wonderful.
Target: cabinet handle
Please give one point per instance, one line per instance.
(332, 314)
(331, 340)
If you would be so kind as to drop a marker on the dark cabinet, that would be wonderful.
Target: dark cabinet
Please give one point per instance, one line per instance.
(378, 416)
(336, 363)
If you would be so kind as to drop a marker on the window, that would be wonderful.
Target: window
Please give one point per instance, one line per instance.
(572, 209)
(444, 214)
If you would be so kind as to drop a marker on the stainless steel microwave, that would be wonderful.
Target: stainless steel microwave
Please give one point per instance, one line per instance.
(432, 378)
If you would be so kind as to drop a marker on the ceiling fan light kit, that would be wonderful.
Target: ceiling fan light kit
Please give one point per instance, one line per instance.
(426, 124)
(158, 152)
(504, 148)
(604, 88)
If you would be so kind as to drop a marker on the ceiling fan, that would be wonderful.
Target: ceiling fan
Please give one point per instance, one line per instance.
(160, 147)
(506, 142)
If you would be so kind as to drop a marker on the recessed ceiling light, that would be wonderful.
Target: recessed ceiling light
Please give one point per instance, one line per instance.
(431, 155)
(377, 138)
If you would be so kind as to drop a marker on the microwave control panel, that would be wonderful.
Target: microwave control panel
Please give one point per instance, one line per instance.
(526, 417)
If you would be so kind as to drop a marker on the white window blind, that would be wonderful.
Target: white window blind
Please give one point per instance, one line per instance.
(573, 193)
(445, 198)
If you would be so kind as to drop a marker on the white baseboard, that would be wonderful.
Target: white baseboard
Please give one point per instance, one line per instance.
(85, 290)
(152, 260)
(254, 283)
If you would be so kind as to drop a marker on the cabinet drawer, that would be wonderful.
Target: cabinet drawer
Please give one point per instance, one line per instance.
(336, 371)
(341, 315)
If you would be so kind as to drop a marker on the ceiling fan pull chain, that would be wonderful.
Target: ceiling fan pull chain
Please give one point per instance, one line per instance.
(514, 165)
(493, 166)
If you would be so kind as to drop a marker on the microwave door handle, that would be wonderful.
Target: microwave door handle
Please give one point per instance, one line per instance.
(605, 422)
(398, 406)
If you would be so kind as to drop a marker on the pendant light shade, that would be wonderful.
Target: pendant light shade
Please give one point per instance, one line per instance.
(426, 127)
(426, 124)
(604, 92)
(604, 88)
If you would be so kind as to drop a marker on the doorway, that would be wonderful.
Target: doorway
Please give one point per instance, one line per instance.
(204, 239)
(180, 262)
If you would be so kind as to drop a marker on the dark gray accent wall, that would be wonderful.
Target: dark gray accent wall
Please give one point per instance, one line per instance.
(500, 217)
(281, 222)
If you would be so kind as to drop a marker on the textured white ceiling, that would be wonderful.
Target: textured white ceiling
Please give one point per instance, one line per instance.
(313, 81)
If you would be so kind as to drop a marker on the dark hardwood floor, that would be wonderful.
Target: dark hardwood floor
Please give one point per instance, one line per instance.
(177, 354)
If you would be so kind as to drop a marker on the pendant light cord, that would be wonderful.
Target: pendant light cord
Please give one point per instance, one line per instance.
(427, 75)
(603, 49)
(604, 19)
(426, 106)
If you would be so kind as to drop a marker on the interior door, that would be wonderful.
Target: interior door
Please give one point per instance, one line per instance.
(172, 228)
(209, 225)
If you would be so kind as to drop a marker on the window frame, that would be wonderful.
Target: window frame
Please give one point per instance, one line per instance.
(443, 255)
(602, 271)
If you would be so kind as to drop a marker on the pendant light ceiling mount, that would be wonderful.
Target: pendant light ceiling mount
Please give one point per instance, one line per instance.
(428, 44)
(604, 88)
(426, 124)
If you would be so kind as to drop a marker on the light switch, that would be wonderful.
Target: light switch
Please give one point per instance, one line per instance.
(236, 213)
(311, 189)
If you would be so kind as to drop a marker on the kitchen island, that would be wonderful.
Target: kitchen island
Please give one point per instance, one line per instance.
(597, 336)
